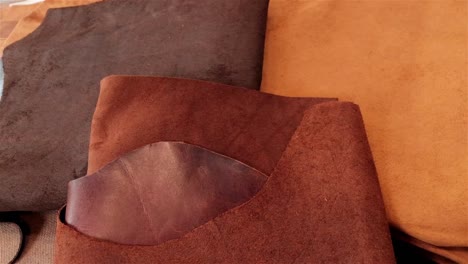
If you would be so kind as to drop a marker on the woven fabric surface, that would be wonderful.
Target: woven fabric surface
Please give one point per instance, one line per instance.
(10, 241)
(39, 243)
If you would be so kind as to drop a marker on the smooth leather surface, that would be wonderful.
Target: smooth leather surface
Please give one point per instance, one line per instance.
(45, 115)
(405, 64)
(158, 193)
(321, 202)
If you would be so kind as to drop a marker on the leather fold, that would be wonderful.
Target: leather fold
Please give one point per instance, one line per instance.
(321, 201)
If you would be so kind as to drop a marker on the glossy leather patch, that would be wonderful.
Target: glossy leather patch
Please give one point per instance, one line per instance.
(158, 192)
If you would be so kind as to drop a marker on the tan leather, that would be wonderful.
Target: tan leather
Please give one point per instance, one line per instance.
(321, 202)
(158, 192)
(405, 64)
(33, 17)
(16, 13)
(9, 18)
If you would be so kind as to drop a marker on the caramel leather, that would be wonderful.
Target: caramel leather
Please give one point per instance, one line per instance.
(157, 193)
(49, 98)
(9, 18)
(15, 13)
(405, 64)
(320, 204)
(32, 16)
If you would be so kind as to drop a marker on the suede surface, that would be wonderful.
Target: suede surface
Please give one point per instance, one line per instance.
(321, 178)
(32, 16)
(405, 64)
(236, 122)
(1, 78)
(45, 115)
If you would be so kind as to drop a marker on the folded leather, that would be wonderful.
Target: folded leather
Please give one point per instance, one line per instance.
(320, 203)
(157, 193)
(45, 115)
(405, 64)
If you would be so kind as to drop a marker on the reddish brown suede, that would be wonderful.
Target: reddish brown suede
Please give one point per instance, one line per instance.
(246, 125)
(52, 78)
(321, 203)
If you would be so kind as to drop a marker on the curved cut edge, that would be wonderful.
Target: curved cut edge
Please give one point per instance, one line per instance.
(158, 192)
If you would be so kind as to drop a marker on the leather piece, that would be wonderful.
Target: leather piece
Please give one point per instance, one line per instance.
(245, 125)
(321, 184)
(77, 46)
(15, 13)
(405, 64)
(158, 193)
(1, 78)
(31, 20)
(5, 28)
(9, 18)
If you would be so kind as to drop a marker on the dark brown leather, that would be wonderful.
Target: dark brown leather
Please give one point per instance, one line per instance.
(158, 192)
(320, 204)
(52, 78)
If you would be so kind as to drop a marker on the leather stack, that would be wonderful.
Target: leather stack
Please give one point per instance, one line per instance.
(230, 131)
